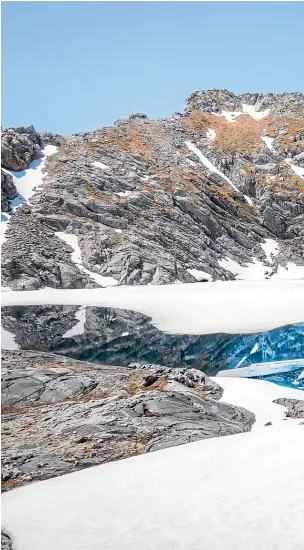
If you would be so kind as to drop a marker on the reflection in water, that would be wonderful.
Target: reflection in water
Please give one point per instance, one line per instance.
(119, 337)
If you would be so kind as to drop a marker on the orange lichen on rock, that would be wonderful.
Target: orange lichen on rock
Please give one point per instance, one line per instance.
(126, 138)
(243, 135)
(289, 128)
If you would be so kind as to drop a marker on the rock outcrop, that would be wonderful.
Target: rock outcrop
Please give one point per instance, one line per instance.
(295, 407)
(19, 147)
(60, 415)
(8, 191)
(161, 201)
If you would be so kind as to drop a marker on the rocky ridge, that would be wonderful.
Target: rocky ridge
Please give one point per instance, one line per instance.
(146, 208)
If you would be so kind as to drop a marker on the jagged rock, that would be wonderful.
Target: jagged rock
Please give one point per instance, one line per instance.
(6, 542)
(8, 191)
(274, 222)
(19, 147)
(295, 407)
(60, 415)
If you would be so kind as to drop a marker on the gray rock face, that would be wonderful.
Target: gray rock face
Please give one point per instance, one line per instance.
(6, 543)
(19, 147)
(60, 415)
(295, 407)
(146, 210)
(8, 191)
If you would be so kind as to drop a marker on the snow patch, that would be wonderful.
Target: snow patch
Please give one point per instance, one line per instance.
(124, 193)
(234, 307)
(146, 177)
(213, 169)
(26, 182)
(255, 271)
(200, 275)
(247, 110)
(100, 165)
(191, 162)
(255, 348)
(297, 169)
(251, 110)
(29, 180)
(271, 248)
(229, 115)
(209, 164)
(72, 241)
(268, 142)
(211, 134)
(249, 200)
(78, 329)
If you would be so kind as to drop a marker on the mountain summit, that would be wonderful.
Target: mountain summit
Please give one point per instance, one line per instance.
(215, 192)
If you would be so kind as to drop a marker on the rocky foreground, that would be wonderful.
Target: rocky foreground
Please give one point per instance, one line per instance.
(61, 415)
(160, 201)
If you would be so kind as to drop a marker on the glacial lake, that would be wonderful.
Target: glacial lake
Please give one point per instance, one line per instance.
(119, 337)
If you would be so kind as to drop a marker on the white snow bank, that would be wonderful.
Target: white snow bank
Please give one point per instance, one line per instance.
(200, 275)
(290, 272)
(251, 110)
(257, 396)
(193, 308)
(263, 369)
(77, 329)
(8, 340)
(255, 271)
(271, 248)
(72, 240)
(100, 165)
(211, 134)
(236, 492)
(269, 142)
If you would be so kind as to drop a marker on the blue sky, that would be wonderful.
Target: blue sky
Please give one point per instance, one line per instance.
(75, 66)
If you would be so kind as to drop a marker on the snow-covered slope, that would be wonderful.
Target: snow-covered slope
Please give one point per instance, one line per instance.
(237, 492)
